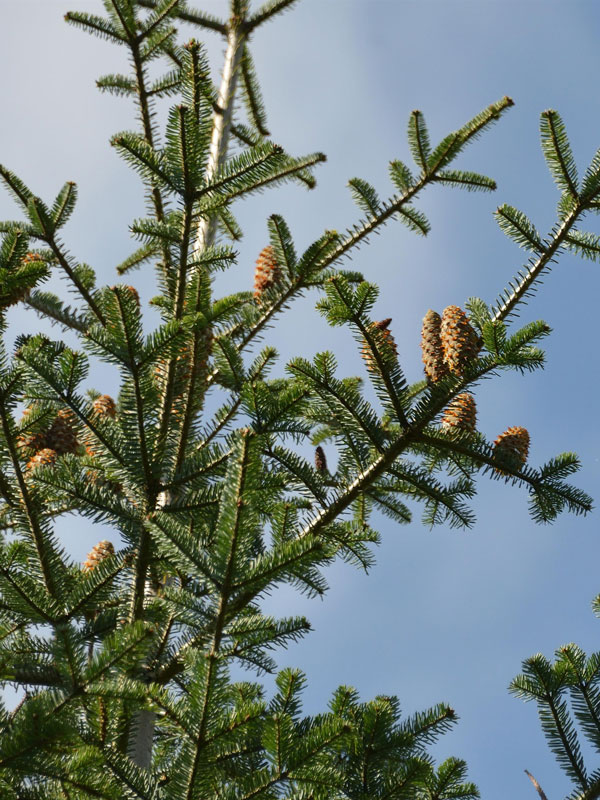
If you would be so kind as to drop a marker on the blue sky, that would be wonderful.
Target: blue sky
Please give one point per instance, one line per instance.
(444, 615)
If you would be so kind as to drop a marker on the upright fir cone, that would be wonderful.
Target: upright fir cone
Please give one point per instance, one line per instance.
(320, 460)
(266, 273)
(388, 339)
(98, 553)
(105, 406)
(62, 437)
(431, 345)
(511, 448)
(45, 457)
(460, 343)
(461, 414)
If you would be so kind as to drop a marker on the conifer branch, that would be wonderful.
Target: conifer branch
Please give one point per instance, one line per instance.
(195, 17)
(134, 368)
(509, 300)
(31, 513)
(62, 259)
(43, 303)
(268, 11)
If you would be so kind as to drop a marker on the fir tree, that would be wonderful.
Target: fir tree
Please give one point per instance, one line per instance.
(125, 659)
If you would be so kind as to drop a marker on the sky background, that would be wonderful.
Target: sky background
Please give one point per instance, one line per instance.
(444, 615)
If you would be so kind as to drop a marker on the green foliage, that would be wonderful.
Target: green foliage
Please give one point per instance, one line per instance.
(213, 510)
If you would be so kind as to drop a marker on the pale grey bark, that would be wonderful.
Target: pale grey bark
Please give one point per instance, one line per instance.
(207, 227)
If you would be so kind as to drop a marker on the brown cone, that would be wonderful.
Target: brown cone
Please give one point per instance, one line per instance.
(511, 448)
(61, 436)
(104, 406)
(98, 553)
(431, 345)
(320, 460)
(460, 343)
(266, 273)
(45, 457)
(388, 341)
(461, 414)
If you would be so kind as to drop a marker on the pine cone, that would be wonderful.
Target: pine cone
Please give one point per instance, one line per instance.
(460, 343)
(388, 341)
(461, 414)
(104, 406)
(61, 436)
(267, 272)
(45, 457)
(431, 345)
(98, 553)
(511, 448)
(320, 460)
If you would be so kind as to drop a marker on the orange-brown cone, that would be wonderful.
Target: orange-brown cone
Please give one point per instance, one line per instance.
(104, 406)
(98, 553)
(511, 448)
(266, 273)
(388, 341)
(460, 343)
(45, 457)
(461, 414)
(431, 345)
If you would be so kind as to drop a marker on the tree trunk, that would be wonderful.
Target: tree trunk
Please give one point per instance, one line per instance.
(143, 722)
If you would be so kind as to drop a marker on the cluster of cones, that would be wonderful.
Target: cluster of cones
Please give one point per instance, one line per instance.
(449, 343)
(44, 447)
(511, 448)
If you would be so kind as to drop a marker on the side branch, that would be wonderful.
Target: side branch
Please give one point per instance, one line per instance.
(505, 308)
